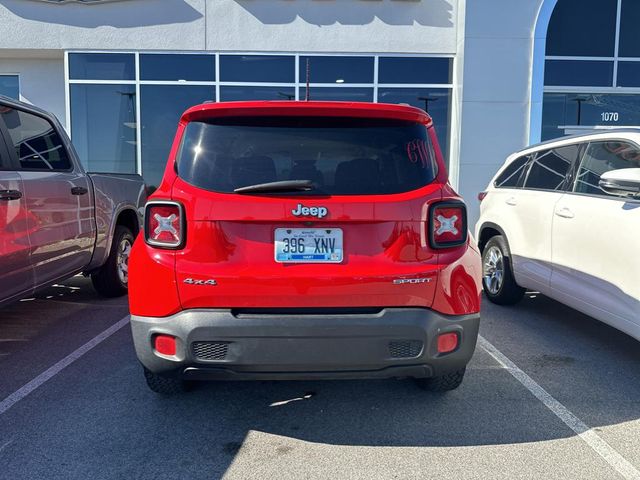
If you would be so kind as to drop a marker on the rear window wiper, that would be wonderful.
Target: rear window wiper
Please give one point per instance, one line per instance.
(275, 187)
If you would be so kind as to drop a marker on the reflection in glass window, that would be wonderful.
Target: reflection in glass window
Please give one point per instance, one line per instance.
(602, 157)
(548, 171)
(578, 73)
(161, 107)
(414, 70)
(338, 94)
(10, 86)
(436, 101)
(103, 127)
(238, 93)
(102, 66)
(177, 67)
(512, 176)
(570, 113)
(257, 68)
(583, 28)
(629, 32)
(37, 144)
(337, 69)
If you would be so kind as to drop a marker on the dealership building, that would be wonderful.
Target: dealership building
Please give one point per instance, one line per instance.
(496, 75)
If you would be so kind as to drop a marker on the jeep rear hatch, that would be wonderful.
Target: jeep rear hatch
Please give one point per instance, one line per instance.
(291, 210)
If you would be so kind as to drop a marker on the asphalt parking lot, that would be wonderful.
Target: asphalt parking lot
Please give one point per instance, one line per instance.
(550, 393)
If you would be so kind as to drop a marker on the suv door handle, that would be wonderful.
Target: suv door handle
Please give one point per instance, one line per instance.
(10, 195)
(78, 191)
(564, 212)
(511, 201)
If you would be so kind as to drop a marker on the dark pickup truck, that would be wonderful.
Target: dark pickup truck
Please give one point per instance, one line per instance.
(56, 220)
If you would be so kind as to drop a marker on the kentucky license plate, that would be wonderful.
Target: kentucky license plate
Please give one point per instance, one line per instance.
(308, 245)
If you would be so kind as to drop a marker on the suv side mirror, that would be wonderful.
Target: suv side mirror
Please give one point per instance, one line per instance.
(624, 182)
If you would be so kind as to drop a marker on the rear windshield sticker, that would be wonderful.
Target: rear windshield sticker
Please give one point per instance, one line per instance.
(417, 152)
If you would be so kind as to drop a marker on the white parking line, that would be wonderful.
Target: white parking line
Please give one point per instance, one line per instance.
(592, 439)
(52, 371)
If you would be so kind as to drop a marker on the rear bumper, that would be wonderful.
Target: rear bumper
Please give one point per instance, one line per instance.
(221, 344)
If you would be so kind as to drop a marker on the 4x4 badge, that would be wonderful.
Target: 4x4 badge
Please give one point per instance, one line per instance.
(302, 211)
(191, 281)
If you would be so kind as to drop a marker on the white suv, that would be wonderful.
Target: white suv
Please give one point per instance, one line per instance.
(563, 218)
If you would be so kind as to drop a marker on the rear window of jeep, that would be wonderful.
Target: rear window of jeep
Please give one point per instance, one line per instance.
(339, 156)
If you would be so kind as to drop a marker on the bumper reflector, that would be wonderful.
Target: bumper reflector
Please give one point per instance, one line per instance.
(447, 342)
(165, 344)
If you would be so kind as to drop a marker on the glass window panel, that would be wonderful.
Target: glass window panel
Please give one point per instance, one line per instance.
(257, 68)
(337, 69)
(414, 70)
(103, 126)
(161, 107)
(583, 28)
(340, 156)
(628, 74)
(338, 94)
(578, 73)
(437, 102)
(178, 67)
(233, 94)
(38, 145)
(10, 86)
(548, 171)
(602, 157)
(629, 32)
(566, 114)
(101, 66)
(512, 176)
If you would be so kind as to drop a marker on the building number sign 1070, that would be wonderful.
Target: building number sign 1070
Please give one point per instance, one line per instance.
(610, 116)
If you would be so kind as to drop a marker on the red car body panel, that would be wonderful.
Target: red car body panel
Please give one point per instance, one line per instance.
(230, 238)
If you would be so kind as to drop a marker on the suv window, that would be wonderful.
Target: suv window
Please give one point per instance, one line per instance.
(602, 157)
(341, 156)
(512, 176)
(38, 145)
(549, 168)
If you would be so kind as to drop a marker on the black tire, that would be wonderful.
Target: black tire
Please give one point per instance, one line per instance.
(164, 385)
(509, 292)
(442, 383)
(107, 281)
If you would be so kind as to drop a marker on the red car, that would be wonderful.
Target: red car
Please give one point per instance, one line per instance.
(293, 240)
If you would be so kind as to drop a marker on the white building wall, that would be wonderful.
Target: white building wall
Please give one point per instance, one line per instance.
(496, 105)
(130, 24)
(399, 26)
(41, 81)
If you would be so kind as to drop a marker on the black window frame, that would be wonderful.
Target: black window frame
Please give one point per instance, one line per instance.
(12, 149)
(578, 164)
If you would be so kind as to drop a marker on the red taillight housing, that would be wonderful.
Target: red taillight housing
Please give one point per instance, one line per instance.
(164, 224)
(482, 195)
(448, 224)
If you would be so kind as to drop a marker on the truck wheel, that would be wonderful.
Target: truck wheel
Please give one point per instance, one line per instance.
(497, 276)
(163, 385)
(113, 278)
(442, 383)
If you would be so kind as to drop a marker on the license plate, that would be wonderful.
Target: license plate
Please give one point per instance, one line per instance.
(308, 245)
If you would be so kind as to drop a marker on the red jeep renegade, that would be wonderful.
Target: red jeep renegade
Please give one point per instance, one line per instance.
(293, 240)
